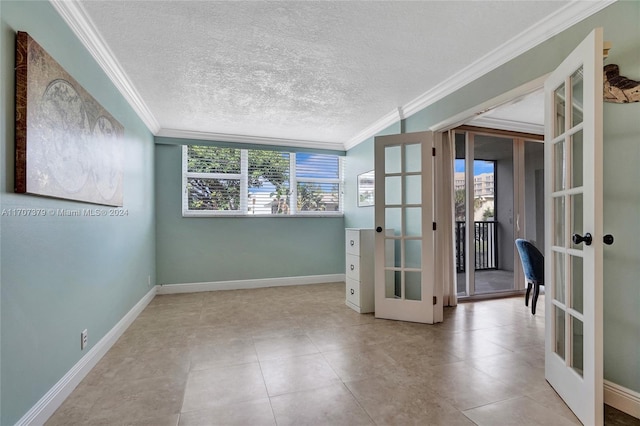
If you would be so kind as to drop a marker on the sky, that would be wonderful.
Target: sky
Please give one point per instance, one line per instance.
(308, 165)
(479, 166)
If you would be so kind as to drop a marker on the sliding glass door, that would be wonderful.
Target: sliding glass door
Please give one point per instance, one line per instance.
(495, 203)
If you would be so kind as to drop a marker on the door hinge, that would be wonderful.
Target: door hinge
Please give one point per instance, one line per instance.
(435, 300)
(434, 226)
(433, 152)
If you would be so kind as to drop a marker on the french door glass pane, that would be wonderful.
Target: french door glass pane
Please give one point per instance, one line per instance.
(413, 221)
(413, 189)
(393, 220)
(413, 285)
(413, 158)
(577, 292)
(576, 97)
(577, 350)
(559, 97)
(559, 166)
(559, 331)
(576, 160)
(393, 260)
(413, 253)
(559, 276)
(392, 284)
(392, 157)
(392, 190)
(576, 218)
(558, 215)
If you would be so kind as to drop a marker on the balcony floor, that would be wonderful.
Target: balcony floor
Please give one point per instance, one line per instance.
(488, 281)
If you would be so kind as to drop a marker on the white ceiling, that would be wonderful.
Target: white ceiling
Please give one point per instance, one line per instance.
(313, 73)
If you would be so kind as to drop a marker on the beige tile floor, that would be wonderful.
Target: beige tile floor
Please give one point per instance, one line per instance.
(298, 356)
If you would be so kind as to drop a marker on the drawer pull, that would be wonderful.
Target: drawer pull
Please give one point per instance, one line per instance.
(352, 291)
(352, 243)
(353, 267)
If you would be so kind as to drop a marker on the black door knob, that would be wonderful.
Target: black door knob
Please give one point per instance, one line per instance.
(578, 239)
(379, 229)
(608, 239)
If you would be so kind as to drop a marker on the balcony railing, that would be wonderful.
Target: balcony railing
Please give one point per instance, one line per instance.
(486, 245)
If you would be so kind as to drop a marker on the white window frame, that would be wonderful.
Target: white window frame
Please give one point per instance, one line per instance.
(243, 176)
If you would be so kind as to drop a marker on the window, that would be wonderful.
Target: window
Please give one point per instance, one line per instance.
(220, 181)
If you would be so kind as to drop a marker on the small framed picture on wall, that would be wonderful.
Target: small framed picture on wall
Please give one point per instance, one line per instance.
(366, 189)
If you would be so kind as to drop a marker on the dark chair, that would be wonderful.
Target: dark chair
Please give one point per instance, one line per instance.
(533, 266)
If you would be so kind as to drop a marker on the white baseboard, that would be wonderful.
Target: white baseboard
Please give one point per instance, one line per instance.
(623, 399)
(49, 403)
(244, 284)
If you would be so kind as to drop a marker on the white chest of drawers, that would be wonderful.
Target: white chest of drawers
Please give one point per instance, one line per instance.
(360, 269)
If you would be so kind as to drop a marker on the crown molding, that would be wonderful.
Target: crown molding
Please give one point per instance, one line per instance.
(80, 23)
(502, 124)
(563, 18)
(257, 140)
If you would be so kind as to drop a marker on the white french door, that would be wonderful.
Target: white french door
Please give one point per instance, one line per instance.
(574, 240)
(404, 253)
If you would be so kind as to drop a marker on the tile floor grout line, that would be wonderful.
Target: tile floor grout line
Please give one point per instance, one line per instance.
(264, 381)
(319, 321)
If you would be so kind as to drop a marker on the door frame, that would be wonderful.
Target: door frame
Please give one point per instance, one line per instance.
(518, 142)
(458, 121)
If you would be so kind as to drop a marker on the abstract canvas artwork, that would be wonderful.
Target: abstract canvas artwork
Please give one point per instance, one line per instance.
(67, 145)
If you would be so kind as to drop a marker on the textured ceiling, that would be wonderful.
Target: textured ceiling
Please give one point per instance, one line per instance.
(309, 71)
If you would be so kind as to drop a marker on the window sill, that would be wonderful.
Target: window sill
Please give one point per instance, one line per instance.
(260, 216)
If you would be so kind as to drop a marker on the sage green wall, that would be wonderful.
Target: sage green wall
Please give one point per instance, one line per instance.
(192, 250)
(61, 275)
(360, 160)
(622, 206)
(621, 23)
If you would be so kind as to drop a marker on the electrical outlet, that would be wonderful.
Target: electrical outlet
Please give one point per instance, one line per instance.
(149, 280)
(84, 339)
